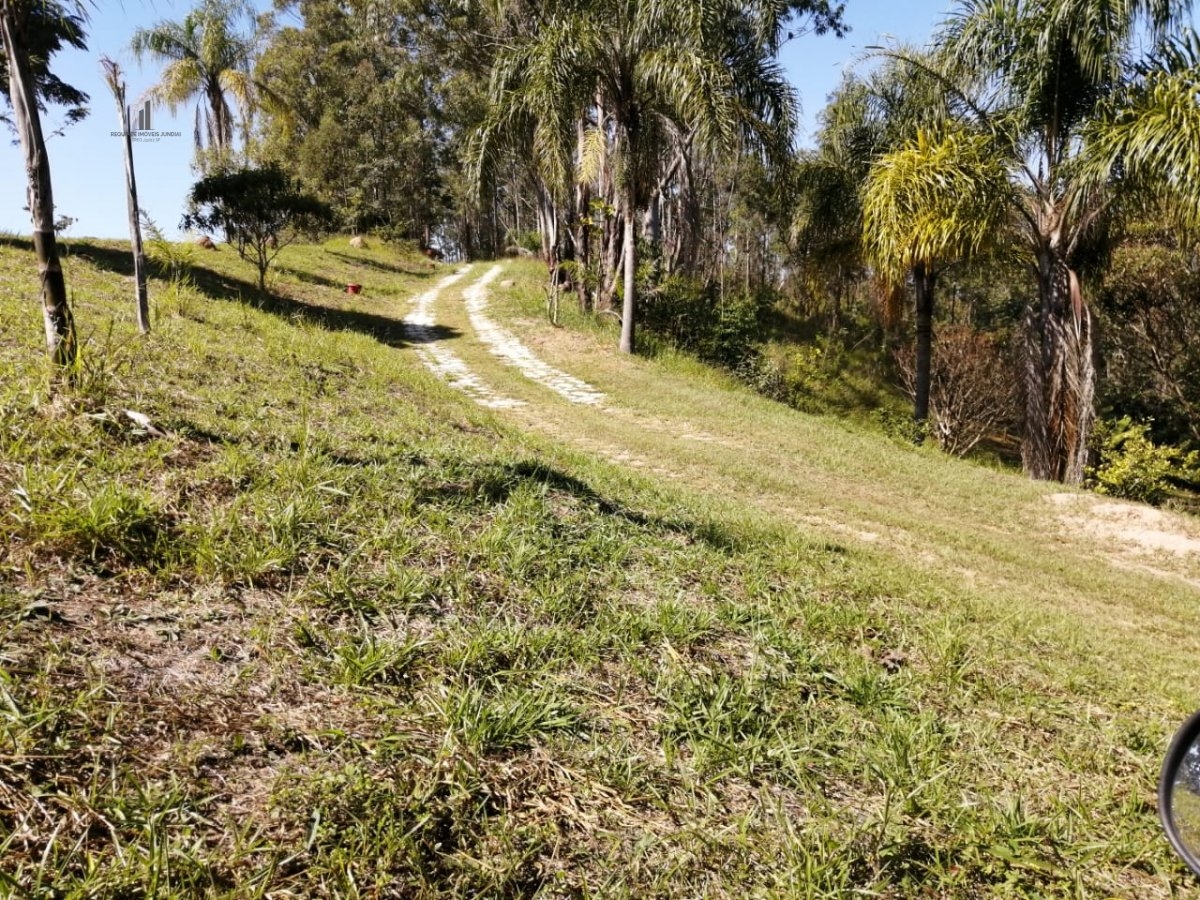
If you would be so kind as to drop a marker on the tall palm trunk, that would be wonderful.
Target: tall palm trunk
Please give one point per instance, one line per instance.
(925, 280)
(1060, 375)
(60, 326)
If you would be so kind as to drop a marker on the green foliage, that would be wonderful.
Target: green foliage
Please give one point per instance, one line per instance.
(1151, 319)
(257, 209)
(824, 377)
(105, 522)
(694, 318)
(367, 106)
(529, 240)
(900, 425)
(172, 257)
(937, 199)
(1130, 465)
(47, 28)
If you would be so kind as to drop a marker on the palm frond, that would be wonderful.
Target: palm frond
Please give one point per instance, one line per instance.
(179, 82)
(938, 199)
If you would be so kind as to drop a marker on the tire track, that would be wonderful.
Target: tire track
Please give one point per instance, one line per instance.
(422, 330)
(508, 347)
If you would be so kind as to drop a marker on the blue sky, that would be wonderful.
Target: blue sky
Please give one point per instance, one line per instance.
(86, 161)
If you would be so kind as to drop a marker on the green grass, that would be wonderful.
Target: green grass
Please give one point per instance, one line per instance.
(341, 633)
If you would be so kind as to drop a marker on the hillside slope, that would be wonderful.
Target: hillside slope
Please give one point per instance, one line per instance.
(409, 594)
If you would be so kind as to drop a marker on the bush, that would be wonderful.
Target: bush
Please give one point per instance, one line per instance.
(1132, 466)
(900, 426)
(530, 241)
(694, 318)
(822, 378)
(1150, 317)
(972, 390)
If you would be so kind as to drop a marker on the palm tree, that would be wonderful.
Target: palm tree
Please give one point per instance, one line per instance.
(914, 227)
(204, 59)
(864, 119)
(1039, 79)
(644, 74)
(29, 33)
(1152, 137)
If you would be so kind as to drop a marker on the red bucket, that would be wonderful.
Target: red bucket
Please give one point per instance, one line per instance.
(353, 288)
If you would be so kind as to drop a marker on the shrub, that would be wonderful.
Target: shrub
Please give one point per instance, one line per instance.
(1131, 466)
(972, 391)
(694, 318)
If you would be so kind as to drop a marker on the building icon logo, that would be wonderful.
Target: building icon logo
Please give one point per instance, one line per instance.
(143, 117)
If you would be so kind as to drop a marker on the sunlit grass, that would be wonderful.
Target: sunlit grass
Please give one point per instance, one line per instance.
(335, 631)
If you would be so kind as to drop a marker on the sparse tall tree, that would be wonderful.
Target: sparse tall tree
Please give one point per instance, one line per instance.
(116, 83)
(25, 27)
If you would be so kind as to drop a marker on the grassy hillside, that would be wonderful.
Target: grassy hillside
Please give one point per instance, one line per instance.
(330, 628)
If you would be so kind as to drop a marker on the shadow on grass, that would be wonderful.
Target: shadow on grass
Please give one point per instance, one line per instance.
(381, 266)
(496, 482)
(309, 278)
(220, 286)
(17, 243)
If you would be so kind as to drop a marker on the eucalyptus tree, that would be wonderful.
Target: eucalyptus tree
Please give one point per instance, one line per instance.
(1041, 80)
(205, 58)
(369, 105)
(30, 32)
(642, 75)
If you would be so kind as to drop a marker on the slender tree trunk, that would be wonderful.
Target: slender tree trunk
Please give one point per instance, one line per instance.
(583, 247)
(653, 230)
(56, 311)
(579, 231)
(611, 244)
(611, 259)
(1060, 375)
(627, 305)
(112, 74)
(690, 220)
(925, 280)
(546, 219)
(135, 234)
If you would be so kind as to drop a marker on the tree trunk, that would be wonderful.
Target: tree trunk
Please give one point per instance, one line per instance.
(583, 247)
(925, 281)
(610, 260)
(141, 296)
(627, 305)
(56, 312)
(1060, 375)
(547, 221)
(580, 231)
(653, 229)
